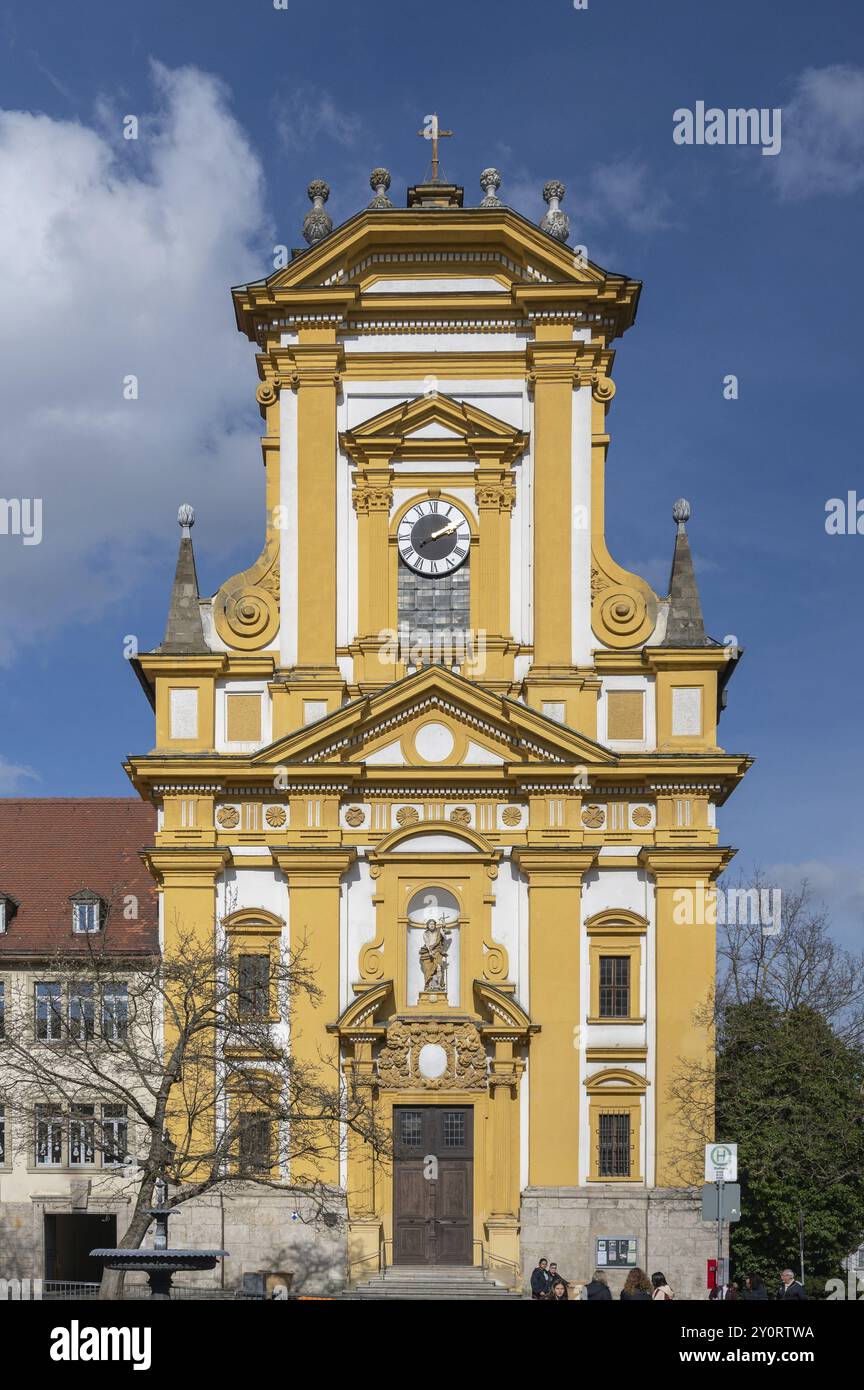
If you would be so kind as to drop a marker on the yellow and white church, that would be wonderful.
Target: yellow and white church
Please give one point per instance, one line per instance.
(438, 733)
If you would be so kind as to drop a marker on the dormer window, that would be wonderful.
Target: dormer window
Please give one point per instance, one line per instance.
(8, 908)
(88, 911)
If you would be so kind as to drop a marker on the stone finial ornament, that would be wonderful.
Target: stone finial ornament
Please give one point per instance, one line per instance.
(379, 182)
(681, 512)
(555, 222)
(490, 182)
(317, 223)
(186, 518)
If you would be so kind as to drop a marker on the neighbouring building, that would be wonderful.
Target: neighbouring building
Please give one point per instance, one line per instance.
(71, 876)
(436, 733)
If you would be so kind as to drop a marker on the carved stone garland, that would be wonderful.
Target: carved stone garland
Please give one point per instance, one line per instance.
(466, 1068)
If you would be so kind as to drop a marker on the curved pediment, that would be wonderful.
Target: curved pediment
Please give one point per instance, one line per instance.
(615, 1081)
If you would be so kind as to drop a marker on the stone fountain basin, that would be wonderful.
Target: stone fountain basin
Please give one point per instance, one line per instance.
(158, 1259)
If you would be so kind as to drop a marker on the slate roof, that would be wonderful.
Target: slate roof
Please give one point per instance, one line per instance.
(51, 848)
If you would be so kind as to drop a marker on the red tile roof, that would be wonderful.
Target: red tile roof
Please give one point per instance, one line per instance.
(51, 848)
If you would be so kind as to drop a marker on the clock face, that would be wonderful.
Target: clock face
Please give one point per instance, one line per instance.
(434, 537)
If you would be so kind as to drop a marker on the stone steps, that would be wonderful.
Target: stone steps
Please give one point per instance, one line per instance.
(441, 1283)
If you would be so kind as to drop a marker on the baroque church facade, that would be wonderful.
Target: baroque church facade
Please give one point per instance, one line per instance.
(437, 735)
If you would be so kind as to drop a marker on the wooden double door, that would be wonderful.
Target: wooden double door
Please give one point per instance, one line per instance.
(433, 1182)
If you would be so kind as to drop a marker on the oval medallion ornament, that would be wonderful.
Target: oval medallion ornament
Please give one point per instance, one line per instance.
(432, 1061)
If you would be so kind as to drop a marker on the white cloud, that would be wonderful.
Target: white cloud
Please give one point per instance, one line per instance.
(625, 192)
(13, 774)
(620, 193)
(116, 258)
(823, 134)
(840, 887)
(309, 113)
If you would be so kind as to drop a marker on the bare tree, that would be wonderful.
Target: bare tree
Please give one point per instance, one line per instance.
(179, 1066)
(796, 967)
(799, 965)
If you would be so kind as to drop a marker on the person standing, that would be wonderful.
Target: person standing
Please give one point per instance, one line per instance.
(790, 1287)
(754, 1289)
(541, 1284)
(662, 1292)
(559, 1292)
(599, 1286)
(637, 1287)
(723, 1292)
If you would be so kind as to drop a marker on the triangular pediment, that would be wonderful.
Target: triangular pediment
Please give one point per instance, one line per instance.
(437, 422)
(405, 255)
(436, 719)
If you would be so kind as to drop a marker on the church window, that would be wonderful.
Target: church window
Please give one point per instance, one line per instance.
(255, 1143)
(614, 987)
(614, 1140)
(253, 995)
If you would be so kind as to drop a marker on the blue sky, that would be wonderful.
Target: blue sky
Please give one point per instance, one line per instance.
(117, 256)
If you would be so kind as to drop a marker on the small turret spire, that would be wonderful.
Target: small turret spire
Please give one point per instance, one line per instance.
(184, 631)
(684, 626)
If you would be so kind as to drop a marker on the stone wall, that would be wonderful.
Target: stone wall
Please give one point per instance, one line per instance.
(564, 1223)
(261, 1228)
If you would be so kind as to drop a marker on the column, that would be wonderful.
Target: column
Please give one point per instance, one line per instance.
(316, 366)
(553, 367)
(684, 972)
(314, 889)
(186, 877)
(554, 898)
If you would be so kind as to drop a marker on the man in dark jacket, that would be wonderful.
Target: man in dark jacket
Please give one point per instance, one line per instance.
(790, 1287)
(541, 1284)
(599, 1286)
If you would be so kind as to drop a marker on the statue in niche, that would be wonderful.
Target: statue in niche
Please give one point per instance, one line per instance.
(433, 955)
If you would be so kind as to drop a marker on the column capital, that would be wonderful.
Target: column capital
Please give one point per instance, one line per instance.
(676, 866)
(185, 865)
(558, 867)
(313, 868)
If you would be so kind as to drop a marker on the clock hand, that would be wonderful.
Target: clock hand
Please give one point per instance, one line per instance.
(445, 531)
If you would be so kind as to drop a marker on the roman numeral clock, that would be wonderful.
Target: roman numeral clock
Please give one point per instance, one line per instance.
(434, 537)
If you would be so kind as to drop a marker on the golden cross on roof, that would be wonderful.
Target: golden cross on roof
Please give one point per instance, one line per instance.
(432, 131)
